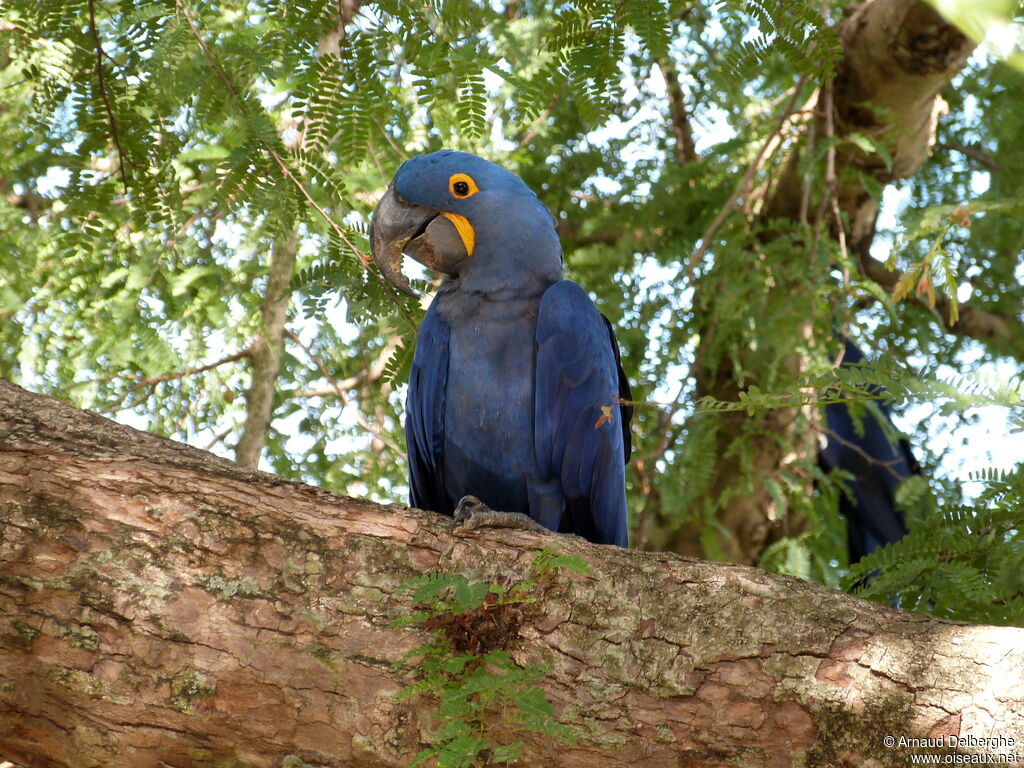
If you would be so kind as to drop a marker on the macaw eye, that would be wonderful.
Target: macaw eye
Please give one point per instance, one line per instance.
(461, 185)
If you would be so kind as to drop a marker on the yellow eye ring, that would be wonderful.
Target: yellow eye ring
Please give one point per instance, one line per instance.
(461, 185)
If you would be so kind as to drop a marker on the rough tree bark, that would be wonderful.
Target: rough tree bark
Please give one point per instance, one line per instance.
(160, 606)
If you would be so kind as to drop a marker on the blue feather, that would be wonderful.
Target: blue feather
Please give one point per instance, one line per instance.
(576, 443)
(424, 416)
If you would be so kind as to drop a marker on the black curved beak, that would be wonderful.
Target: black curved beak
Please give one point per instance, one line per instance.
(397, 227)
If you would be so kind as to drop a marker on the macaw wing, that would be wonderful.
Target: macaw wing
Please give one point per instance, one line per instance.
(424, 416)
(579, 427)
(867, 448)
(625, 393)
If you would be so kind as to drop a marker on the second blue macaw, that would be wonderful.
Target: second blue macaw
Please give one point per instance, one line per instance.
(876, 460)
(515, 396)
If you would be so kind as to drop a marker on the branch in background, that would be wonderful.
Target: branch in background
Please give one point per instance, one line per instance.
(890, 465)
(209, 446)
(829, 197)
(686, 152)
(266, 352)
(365, 376)
(377, 433)
(146, 381)
(105, 97)
(142, 382)
(773, 140)
(344, 384)
(980, 156)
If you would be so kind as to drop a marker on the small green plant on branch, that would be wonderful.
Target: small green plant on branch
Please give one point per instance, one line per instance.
(466, 668)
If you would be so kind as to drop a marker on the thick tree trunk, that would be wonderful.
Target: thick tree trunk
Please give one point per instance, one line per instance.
(160, 606)
(897, 57)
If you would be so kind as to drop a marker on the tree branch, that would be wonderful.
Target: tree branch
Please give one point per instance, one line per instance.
(337, 388)
(266, 351)
(163, 606)
(679, 120)
(105, 97)
(974, 152)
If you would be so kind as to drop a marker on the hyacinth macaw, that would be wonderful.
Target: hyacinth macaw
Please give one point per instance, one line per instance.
(877, 463)
(515, 395)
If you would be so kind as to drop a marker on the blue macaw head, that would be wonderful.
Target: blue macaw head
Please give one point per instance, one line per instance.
(467, 218)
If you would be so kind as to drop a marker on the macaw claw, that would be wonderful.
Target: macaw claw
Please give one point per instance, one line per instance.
(471, 513)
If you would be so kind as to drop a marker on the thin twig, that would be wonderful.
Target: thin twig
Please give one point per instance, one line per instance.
(217, 439)
(120, 405)
(980, 156)
(346, 401)
(530, 133)
(149, 381)
(805, 186)
(142, 382)
(889, 465)
(743, 187)
(668, 434)
(387, 137)
(183, 191)
(830, 178)
(365, 376)
(105, 97)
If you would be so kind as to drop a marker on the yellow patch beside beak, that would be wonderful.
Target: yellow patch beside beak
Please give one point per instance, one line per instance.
(464, 228)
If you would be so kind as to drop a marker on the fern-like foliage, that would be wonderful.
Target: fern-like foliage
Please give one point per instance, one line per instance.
(965, 562)
(885, 380)
(794, 30)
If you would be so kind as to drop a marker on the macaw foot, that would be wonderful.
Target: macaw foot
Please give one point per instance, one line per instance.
(471, 513)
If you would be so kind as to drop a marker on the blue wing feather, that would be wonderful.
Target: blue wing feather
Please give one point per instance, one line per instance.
(877, 462)
(577, 447)
(625, 393)
(424, 415)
